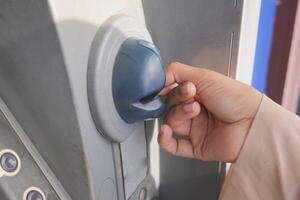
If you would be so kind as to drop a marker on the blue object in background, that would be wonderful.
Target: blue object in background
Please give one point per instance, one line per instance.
(264, 44)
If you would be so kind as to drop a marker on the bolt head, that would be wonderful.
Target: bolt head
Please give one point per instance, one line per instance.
(34, 195)
(9, 162)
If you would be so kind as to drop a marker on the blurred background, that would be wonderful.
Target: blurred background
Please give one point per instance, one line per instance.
(277, 64)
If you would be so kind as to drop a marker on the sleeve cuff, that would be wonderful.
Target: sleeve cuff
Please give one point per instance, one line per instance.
(264, 161)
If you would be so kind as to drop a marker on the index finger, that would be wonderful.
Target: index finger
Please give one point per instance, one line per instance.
(177, 73)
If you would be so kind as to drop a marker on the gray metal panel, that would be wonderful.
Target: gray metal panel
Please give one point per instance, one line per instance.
(196, 32)
(29, 175)
(35, 85)
(134, 160)
(203, 33)
(53, 109)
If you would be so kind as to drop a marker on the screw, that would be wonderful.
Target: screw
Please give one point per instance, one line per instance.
(34, 195)
(9, 162)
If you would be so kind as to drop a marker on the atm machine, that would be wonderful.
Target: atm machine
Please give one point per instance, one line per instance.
(78, 94)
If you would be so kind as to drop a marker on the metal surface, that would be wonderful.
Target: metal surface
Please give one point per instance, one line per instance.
(10, 163)
(35, 85)
(34, 193)
(48, 97)
(196, 32)
(203, 33)
(13, 186)
(131, 137)
(44, 54)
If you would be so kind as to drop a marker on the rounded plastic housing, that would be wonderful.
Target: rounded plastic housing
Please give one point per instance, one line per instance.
(138, 76)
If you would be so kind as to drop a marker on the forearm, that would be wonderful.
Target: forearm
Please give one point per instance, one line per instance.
(267, 167)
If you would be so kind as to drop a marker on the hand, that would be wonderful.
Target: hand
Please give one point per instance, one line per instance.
(209, 114)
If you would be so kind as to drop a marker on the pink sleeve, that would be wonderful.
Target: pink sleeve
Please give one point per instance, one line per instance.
(268, 166)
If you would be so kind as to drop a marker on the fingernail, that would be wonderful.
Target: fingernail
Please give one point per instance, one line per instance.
(163, 128)
(185, 89)
(189, 107)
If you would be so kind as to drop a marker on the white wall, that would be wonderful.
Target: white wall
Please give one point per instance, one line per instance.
(248, 37)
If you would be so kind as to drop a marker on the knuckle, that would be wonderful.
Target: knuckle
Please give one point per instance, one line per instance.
(199, 154)
(168, 147)
(163, 143)
(172, 66)
(172, 94)
(177, 94)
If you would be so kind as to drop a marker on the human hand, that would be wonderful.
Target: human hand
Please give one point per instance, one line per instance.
(211, 112)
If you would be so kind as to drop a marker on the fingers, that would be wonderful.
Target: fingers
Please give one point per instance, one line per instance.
(182, 93)
(177, 147)
(167, 89)
(178, 73)
(179, 114)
